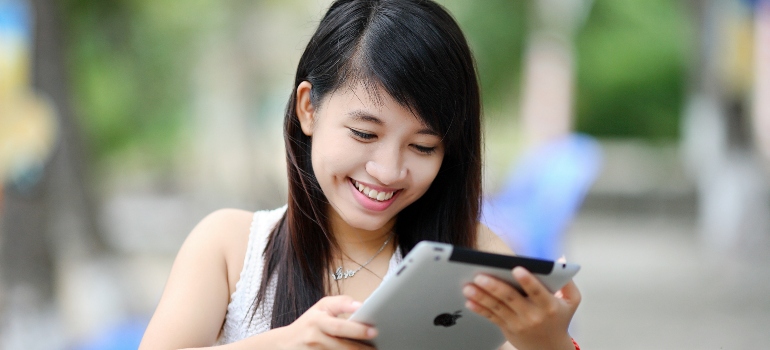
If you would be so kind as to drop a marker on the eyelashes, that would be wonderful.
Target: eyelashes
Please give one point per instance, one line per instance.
(362, 135)
(425, 150)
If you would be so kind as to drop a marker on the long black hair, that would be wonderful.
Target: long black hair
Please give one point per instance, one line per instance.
(414, 51)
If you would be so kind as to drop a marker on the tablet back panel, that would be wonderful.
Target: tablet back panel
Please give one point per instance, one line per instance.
(422, 305)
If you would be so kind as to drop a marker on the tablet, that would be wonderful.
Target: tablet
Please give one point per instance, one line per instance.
(422, 306)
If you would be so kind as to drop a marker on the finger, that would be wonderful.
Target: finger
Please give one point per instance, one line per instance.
(340, 328)
(535, 290)
(486, 313)
(571, 293)
(493, 306)
(329, 342)
(499, 291)
(356, 344)
(338, 305)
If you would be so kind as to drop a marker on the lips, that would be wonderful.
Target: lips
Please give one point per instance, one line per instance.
(368, 195)
(374, 194)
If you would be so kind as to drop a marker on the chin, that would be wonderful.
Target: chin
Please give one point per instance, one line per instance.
(367, 222)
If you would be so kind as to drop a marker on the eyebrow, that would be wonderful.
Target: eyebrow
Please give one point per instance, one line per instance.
(363, 116)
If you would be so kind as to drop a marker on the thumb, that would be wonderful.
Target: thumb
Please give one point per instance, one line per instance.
(570, 293)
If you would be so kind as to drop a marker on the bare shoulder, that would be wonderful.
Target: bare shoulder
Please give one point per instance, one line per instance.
(489, 241)
(223, 221)
(227, 229)
(193, 305)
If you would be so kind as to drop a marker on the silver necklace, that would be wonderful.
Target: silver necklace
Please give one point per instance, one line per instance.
(339, 274)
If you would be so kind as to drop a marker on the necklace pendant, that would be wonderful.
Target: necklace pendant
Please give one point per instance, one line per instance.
(339, 275)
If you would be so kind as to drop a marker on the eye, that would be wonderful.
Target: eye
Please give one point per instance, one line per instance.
(425, 150)
(361, 135)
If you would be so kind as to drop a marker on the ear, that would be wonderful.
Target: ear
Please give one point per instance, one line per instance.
(304, 108)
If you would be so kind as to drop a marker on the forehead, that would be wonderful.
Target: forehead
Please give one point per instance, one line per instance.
(368, 103)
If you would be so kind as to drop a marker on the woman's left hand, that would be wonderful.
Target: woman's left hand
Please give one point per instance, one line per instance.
(538, 320)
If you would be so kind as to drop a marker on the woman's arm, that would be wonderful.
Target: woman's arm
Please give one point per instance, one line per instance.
(488, 241)
(193, 305)
(319, 328)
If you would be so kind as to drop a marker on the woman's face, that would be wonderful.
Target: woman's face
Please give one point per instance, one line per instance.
(371, 156)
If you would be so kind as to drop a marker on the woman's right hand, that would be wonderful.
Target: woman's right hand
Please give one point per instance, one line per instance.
(320, 327)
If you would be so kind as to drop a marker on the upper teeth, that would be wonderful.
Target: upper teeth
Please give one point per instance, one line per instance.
(373, 194)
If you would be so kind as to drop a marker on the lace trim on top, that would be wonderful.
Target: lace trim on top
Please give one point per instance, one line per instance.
(238, 323)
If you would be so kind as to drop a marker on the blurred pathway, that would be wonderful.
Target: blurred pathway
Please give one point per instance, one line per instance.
(648, 283)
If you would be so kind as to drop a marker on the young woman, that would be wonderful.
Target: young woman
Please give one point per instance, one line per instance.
(383, 141)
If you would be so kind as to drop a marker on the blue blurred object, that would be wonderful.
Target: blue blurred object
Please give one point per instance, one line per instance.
(542, 195)
(15, 19)
(751, 3)
(124, 336)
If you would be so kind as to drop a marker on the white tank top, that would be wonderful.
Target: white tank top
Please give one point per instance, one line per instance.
(238, 323)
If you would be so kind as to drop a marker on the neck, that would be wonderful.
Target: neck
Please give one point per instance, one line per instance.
(357, 243)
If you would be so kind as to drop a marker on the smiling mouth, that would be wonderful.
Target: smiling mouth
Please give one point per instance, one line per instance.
(371, 193)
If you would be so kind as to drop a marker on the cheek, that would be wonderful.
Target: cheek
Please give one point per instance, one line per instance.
(331, 156)
(426, 172)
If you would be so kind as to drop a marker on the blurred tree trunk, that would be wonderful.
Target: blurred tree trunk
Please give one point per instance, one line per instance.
(55, 218)
(716, 132)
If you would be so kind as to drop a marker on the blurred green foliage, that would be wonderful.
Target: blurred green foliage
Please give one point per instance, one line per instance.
(131, 62)
(496, 31)
(632, 65)
(129, 68)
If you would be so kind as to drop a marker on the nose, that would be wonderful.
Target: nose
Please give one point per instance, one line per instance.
(387, 169)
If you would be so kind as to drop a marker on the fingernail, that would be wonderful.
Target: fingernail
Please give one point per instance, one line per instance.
(481, 280)
(468, 291)
(519, 272)
(371, 332)
(356, 304)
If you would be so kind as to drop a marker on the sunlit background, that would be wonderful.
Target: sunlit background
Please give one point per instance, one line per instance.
(631, 136)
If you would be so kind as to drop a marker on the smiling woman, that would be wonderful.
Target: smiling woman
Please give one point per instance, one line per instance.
(383, 141)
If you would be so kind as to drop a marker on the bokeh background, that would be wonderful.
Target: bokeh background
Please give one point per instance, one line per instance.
(124, 122)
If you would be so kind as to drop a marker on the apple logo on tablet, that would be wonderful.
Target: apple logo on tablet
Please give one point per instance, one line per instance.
(446, 319)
